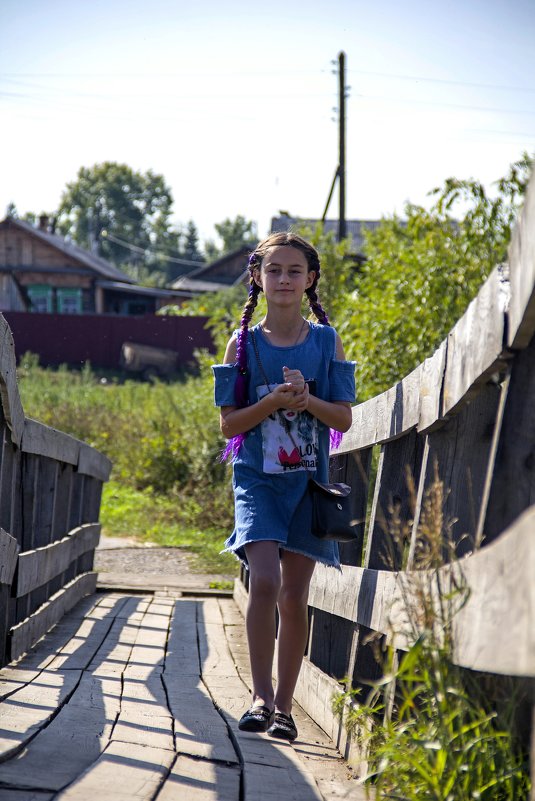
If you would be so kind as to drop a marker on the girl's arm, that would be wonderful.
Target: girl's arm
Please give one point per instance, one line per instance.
(335, 414)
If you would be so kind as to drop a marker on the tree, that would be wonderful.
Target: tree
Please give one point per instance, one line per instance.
(110, 202)
(421, 273)
(234, 234)
(190, 249)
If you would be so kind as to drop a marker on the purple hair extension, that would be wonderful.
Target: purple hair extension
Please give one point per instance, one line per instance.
(335, 438)
(240, 388)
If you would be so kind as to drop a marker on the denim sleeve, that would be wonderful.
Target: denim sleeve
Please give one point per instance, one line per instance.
(225, 379)
(342, 381)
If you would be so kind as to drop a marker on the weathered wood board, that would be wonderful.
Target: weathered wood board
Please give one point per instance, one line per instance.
(141, 696)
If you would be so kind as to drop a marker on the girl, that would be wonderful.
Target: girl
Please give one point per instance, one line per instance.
(282, 386)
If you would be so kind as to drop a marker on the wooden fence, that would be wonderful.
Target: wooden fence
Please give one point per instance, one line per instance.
(50, 490)
(470, 409)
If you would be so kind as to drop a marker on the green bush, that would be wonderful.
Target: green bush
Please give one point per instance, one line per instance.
(163, 439)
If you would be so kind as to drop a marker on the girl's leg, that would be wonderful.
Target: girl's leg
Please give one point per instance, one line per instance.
(297, 571)
(264, 588)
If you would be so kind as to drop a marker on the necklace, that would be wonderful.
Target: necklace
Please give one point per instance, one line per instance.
(303, 323)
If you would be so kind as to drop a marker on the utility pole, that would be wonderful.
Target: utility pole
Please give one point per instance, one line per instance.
(340, 172)
(342, 146)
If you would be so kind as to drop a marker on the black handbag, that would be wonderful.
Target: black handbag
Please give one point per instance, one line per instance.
(332, 516)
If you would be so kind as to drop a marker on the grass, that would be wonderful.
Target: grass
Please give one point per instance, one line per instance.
(167, 485)
(153, 517)
(432, 731)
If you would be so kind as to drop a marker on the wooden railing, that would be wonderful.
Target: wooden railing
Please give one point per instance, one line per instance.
(470, 409)
(50, 490)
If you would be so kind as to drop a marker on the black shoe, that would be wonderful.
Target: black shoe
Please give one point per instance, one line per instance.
(283, 727)
(257, 718)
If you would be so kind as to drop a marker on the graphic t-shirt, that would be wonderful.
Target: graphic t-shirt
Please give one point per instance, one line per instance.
(289, 439)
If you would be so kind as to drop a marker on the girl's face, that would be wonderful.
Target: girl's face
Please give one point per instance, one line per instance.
(284, 275)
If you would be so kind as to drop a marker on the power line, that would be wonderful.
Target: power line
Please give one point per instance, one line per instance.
(147, 252)
(425, 79)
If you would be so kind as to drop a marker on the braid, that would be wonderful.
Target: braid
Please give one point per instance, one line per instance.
(315, 305)
(240, 388)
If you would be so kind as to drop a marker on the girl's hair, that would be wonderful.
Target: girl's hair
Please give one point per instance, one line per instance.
(281, 239)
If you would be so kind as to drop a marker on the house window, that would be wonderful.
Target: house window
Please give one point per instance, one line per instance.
(40, 297)
(69, 301)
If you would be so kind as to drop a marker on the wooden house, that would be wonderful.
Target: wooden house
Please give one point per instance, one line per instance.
(43, 272)
(229, 270)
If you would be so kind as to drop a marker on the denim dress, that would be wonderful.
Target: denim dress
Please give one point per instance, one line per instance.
(271, 470)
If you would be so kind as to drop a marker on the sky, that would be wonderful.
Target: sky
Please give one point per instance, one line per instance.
(235, 103)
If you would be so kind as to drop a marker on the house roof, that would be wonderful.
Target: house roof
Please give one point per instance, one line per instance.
(95, 263)
(149, 291)
(354, 228)
(229, 270)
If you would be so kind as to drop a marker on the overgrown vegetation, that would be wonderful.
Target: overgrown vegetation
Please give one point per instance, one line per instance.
(431, 731)
(392, 311)
(163, 439)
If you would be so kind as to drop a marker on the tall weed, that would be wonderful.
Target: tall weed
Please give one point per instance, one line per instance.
(430, 730)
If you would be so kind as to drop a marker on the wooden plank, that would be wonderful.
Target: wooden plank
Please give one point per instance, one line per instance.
(334, 591)
(9, 550)
(354, 469)
(42, 564)
(314, 692)
(134, 771)
(93, 463)
(6, 479)
(330, 643)
(494, 631)
(413, 402)
(83, 726)
(9, 391)
(52, 644)
(313, 746)
(62, 502)
(198, 780)
(79, 732)
(431, 382)
(513, 485)
(91, 499)
(482, 323)
(491, 464)
(399, 465)
(199, 729)
(28, 709)
(460, 450)
(521, 260)
(279, 782)
(26, 633)
(43, 440)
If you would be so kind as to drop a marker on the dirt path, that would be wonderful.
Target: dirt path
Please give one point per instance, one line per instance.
(124, 563)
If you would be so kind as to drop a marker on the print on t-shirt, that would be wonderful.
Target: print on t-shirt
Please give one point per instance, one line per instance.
(289, 439)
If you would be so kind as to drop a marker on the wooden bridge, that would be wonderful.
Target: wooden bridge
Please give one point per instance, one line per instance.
(122, 695)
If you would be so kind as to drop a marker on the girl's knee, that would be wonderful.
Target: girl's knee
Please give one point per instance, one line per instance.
(264, 585)
(293, 600)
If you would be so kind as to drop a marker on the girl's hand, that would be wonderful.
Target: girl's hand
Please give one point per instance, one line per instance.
(295, 378)
(286, 397)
